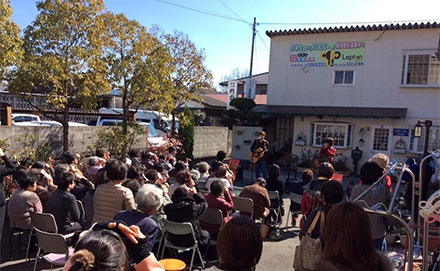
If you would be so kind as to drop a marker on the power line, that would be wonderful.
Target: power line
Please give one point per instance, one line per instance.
(333, 23)
(264, 43)
(201, 11)
(238, 16)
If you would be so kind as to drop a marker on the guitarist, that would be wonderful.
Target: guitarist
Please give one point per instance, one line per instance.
(260, 148)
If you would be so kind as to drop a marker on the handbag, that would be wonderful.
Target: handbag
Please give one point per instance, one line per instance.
(309, 248)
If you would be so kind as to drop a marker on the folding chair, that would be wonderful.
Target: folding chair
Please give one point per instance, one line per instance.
(82, 212)
(295, 199)
(17, 232)
(212, 216)
(56, 245)
(244, 205)
(46, 222)
(184, 228)
(274, 196)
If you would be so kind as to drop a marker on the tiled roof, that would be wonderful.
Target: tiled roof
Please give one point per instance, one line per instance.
(357, 28)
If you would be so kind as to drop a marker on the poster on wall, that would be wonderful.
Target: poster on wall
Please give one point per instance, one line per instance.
(327, 54)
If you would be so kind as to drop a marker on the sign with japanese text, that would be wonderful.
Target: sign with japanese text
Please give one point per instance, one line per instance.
(232, 92)
(327, 54)
(250, 88)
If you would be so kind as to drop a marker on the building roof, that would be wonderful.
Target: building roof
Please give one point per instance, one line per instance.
(357, 28)
(259, 98)
(262, 79)
(334, 111)
(214, 102)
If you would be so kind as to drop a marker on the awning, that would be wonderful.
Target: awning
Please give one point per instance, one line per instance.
(334, 111)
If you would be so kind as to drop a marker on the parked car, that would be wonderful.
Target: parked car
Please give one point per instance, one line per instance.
(24, 118)
(47, 123)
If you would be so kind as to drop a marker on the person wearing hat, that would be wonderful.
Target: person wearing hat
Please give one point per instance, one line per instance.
(187, 209)
(260, 146)
(382, 161)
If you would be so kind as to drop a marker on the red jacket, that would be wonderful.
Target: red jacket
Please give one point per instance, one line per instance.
(329, 153)
(225, 204)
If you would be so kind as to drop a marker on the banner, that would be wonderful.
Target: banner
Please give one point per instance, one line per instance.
(327, 54)
(232, 92)
(250, 88)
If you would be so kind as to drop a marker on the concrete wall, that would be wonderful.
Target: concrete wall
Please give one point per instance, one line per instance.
(208, 140)
(79, 137)
(242, 138)
(377, 83)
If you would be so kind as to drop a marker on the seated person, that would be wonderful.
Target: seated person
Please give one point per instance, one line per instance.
(183, 179)
(219, 198)
(258, 193)
(63, 206)
(112, 197)
(23, 200)
(149, 200)
(274, 184)
(306, 200)
(370, 173)
(187, 209)
(220, 173)
(203, 168)
(331, 193)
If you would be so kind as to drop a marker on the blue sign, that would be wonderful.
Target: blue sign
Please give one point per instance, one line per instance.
(400, 132)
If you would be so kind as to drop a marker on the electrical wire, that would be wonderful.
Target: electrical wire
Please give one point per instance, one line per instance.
(349, 23)
(262, 40)
(238, 16)
(201, 11)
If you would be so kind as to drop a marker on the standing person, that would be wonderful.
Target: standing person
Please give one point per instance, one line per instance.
(258, 194)
(4, 171)
(328, 152)
(348, 243)
(63, 206)
(371, 172)
(259, 148)
(112, 197)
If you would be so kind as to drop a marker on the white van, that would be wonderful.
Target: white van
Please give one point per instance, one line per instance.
(158, 120)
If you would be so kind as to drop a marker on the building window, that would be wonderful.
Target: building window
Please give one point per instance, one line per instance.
(340, 132)
(344, 78)
(381, 138)
(417, 144)
(421, 68)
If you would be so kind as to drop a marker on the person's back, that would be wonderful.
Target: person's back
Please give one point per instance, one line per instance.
(259, 196)
(186, 209)
(112, 197)
(219, 198)
(63, 205)
(371, 172)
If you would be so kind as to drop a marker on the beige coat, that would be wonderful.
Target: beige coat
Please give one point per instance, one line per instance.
(109, 199)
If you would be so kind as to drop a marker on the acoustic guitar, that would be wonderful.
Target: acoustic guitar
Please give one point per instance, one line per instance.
(258, 153)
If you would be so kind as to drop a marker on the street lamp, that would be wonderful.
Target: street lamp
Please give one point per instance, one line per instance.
(418, 133)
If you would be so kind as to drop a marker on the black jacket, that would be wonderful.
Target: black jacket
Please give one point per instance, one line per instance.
(186, 209)
(5, 171)
(63, 206)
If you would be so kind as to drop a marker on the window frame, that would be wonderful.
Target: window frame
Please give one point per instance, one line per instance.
(343, 78)
(404, 78)
(346, 136)
(414, 142)
(390, 137)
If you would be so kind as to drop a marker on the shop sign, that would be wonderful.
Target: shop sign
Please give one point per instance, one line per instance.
(400, 132)
(327, 54)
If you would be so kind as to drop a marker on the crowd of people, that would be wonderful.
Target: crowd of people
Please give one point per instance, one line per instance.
(120, 205)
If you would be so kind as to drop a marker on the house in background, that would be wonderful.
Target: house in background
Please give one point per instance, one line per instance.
(365, 86)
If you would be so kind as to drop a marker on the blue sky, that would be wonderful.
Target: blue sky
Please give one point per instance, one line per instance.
(227, 43)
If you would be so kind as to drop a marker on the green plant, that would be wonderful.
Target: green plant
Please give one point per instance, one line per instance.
(114, 139)
(242, 114)
(186, 132)
(27, 146)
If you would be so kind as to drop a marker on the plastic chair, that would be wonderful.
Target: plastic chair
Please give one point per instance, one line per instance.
(244, 206)
(55, 244)
(274, 196)
(296, 199)
(184, 228)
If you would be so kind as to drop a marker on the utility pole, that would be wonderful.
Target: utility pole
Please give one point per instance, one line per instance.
(252, 51)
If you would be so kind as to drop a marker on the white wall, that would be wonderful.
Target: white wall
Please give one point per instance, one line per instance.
(242, 138)
(377, 82)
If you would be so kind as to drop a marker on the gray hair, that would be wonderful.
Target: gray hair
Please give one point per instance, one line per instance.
(93, 161)
(149, 198)
(195, 175)
(203, 167)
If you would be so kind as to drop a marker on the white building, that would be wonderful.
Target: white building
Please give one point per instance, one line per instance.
(365, 86)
